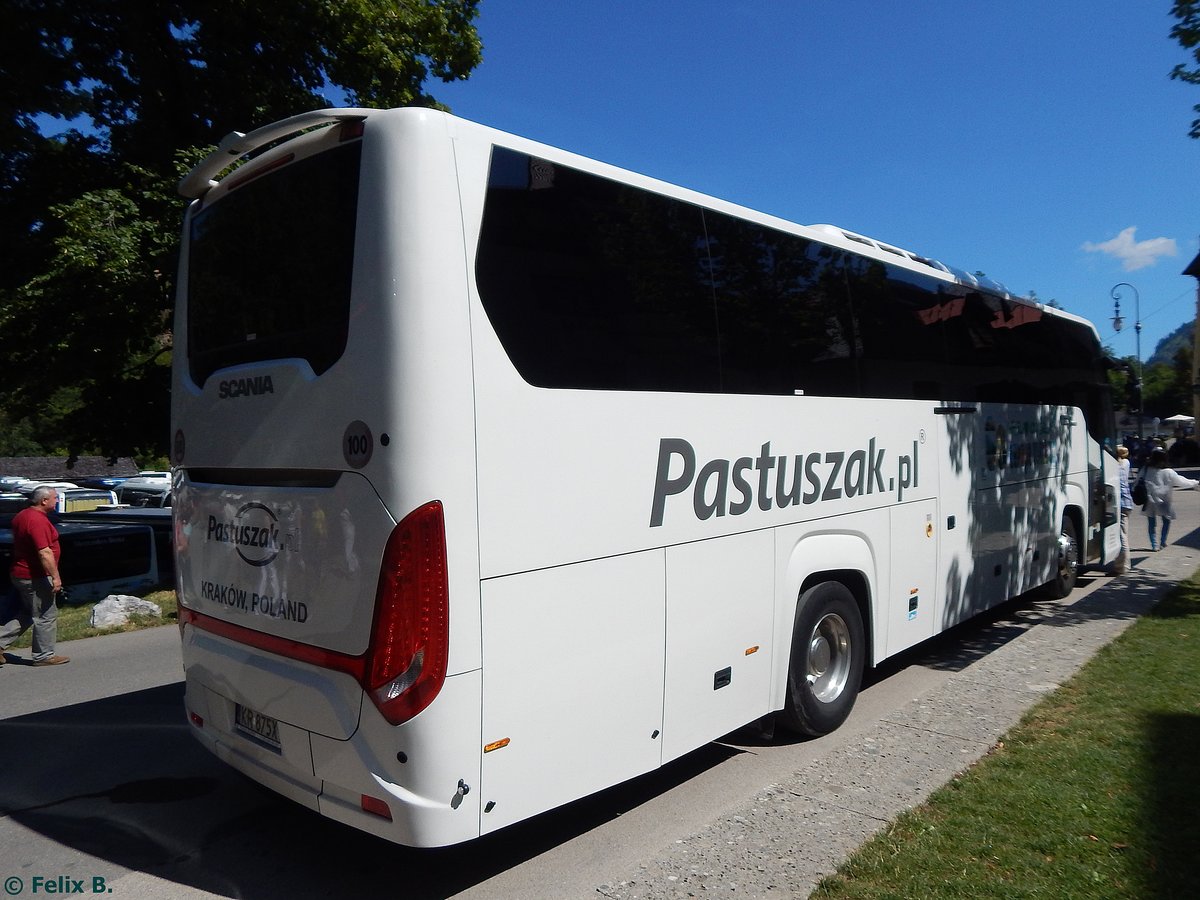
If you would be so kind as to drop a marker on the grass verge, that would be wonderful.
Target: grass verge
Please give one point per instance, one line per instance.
(74, 621)
(1094, 794)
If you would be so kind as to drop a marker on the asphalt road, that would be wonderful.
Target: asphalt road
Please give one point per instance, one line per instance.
(102, 780)
(102, 788)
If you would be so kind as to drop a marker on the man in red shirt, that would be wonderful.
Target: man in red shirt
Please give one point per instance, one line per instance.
(36, 577)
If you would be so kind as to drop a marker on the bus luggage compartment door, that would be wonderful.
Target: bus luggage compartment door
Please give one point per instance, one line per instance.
(572, 682)
(911, 610)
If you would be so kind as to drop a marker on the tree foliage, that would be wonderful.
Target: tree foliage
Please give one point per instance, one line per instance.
(89, 216)
(1187, 32)
(1166, 387)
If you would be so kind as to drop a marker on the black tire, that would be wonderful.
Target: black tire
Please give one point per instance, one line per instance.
(1066, 566)
(828, 655)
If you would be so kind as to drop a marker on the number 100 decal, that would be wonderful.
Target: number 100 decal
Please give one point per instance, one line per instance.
(357, 444)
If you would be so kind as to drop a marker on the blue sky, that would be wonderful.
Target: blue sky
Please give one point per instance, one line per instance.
(1039, 142)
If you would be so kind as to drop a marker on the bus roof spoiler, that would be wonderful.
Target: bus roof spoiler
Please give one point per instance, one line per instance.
(235, 145)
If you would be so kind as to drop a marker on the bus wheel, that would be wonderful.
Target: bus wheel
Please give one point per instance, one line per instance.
(1067, 570)
(826, 665)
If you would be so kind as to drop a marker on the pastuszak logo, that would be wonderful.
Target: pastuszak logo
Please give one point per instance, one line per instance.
(253, 531)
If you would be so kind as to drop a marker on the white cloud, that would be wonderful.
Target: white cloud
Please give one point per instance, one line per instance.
(1134, 254)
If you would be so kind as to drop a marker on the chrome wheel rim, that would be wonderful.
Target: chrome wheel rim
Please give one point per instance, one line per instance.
(829, 655)
(1068, 557)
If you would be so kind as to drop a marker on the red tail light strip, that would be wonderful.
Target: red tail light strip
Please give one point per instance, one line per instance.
(353, 666)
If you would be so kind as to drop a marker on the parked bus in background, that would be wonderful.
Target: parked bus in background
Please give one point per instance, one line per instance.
(503, 475)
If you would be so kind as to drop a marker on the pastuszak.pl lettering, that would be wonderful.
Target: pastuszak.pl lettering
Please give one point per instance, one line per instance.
(767, 481)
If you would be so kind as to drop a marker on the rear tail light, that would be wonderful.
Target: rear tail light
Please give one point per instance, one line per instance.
(406, 661)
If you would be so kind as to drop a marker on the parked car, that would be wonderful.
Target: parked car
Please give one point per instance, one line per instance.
(107, 483)
(145, 492)
(71, 497)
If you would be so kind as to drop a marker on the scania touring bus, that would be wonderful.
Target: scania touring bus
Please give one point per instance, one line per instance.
(502, 475)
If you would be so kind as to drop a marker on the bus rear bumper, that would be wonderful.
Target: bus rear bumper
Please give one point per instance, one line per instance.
(415, 784)
(287, 772)
(422, 777)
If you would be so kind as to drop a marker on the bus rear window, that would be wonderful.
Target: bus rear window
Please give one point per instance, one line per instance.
(270, 267)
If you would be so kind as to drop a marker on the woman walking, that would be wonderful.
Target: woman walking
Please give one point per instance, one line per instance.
(1160, 482)
(1122, 562)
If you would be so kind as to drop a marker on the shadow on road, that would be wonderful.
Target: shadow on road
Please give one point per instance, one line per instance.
(122, 781)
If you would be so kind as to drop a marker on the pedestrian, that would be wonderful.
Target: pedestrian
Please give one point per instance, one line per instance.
(1122, 561)
(1160, 483)
(36, 577)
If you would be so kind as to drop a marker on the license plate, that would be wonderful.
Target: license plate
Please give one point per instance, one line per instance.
(256, 726)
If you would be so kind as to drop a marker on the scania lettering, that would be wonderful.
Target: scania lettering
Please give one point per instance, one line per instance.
(505, 413)
(244, 387)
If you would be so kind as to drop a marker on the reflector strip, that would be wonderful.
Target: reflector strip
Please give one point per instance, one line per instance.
(377, 807)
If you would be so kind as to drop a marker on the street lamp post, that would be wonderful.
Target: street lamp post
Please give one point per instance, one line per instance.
(1137, 328)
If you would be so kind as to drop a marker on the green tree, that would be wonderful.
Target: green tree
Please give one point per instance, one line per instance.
(1168, 387)
(1167, 374)
(89, 217)
(1122, 378)
(16, 439)
(1187, 32)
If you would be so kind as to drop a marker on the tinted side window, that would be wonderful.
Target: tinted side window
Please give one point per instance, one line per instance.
(590, 283)
(908, 326)
(783, 320)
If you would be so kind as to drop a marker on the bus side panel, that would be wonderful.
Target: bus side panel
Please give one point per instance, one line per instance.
(720, 598)
(573, 682)
(1011, 469)
(1016, 531)
(961, 438)
(911, 601)
(1103, 540)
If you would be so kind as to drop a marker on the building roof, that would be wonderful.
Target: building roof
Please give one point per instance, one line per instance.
(1193, 268)
(61, 468)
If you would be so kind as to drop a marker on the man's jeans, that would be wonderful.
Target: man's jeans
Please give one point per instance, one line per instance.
(36, 607)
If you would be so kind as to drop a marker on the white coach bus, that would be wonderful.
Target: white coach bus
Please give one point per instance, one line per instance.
(503, 475)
